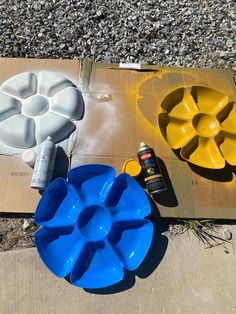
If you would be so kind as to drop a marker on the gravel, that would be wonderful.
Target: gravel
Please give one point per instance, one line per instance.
(172, 32)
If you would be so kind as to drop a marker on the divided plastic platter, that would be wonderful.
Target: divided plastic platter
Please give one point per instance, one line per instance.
(201, 123)
(38, 106)
(93, 226)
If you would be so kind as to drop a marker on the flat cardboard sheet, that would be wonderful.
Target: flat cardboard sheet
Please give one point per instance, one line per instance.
(121, 110)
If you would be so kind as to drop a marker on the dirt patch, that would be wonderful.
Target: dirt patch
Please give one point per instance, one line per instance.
(16, 233)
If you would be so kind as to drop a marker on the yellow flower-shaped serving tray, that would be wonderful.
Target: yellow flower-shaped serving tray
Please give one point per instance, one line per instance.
(201, 122)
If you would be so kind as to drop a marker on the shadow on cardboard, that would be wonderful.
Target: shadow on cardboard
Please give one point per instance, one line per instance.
(218, 175)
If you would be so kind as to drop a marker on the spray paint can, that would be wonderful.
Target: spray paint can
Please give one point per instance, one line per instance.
(44, 165)
(153, 177)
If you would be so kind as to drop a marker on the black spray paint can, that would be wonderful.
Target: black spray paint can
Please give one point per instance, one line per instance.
(153, 177)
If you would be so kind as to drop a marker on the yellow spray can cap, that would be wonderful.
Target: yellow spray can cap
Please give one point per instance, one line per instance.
(132, 167)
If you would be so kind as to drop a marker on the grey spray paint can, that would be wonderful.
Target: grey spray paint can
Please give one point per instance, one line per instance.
(44, 165)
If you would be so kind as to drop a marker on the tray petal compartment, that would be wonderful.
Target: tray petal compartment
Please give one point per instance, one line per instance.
(180, 104)
(93, 182)
(209, 100)
(121, 205)
(21, 85)
(24, 137)
(59, 206)
(9, 106)
(58, 126)
(49, 83)
(227, 147)
(228, 118)
(203, 152)
(53, 248)
(127, 237)
(98, 265)
(69, 102)
(177, 132)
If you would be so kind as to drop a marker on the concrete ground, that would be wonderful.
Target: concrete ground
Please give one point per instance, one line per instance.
(178, 276)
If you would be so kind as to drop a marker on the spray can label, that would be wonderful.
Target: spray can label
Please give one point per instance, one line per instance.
(44, 165)
(43, 171)
(152, 174)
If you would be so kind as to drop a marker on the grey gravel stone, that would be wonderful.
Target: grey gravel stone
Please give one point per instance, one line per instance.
(229, 43)
(227, 234)
(25, 225)
(171, 32)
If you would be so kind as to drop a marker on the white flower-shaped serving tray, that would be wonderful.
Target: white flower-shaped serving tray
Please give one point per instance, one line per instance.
(33, 107)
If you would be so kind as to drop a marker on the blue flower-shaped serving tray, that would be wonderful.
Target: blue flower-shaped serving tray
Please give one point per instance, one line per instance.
(93, 226)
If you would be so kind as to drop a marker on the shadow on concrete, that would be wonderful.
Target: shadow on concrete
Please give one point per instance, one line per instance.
(150, 263)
